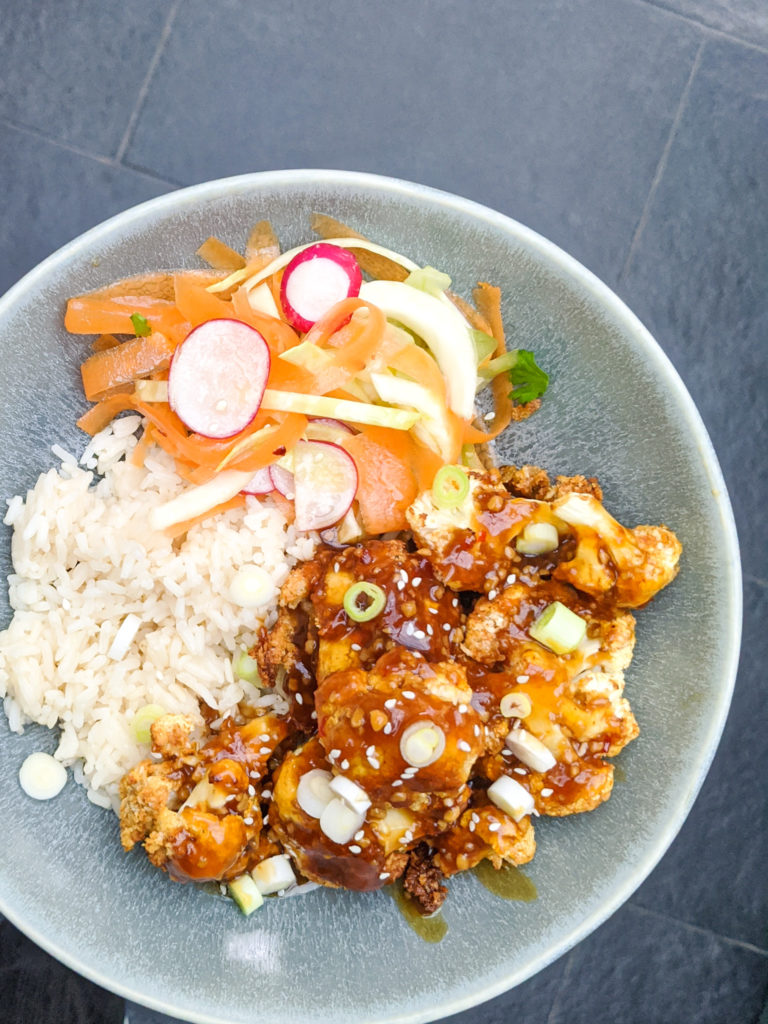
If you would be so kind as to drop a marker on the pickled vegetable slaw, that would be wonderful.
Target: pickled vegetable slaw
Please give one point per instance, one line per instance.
(289, 374)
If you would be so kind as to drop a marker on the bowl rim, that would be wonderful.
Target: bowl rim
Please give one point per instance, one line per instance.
(607, 299)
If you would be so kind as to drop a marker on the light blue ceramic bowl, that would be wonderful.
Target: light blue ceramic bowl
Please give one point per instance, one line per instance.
(616, 409)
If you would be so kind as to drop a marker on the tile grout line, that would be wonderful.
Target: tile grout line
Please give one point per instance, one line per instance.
(567, 970)
(739, 943)
(100, 158)
(662, 164)
(142, 97)
(718, 33)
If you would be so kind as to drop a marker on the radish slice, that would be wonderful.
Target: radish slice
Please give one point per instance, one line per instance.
(326, 482)
(327, 430)
(260, 482)
(315, 280)
(217, 378)
(282, 480)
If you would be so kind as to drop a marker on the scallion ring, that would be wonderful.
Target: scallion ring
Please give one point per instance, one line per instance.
(364, 601)
(450, 487)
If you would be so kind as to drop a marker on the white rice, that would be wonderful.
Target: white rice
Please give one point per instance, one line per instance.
(84, 559)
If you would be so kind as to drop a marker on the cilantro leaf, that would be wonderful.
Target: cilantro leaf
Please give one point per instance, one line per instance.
(529, 379)
(140, 325)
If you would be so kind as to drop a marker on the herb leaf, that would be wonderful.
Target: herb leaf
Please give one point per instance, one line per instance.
(140, 325)
(529, 379)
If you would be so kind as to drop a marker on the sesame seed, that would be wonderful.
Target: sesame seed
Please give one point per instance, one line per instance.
(370, 751)
(254, 775)
(265, 737)
(489, 416)
(359, 835)
(313, 715)
(536, 813)
(519, 771)
(523, 679)
(475, 817)
(472, 826)
(511, 579)
(506, 753)
(266, 794)
(397, 782)
(416, 581)
(374, 763)
(248, 821)
(384, 875)
(336, 566)
(463, 745)
(356, 647)
(547, 792)
(299, 698)
(455, 602)
(492, 594)
(265, 750)
(251, 791)
(433, 611)
(334, 754)
(409, 694)
(265, 820)
(400, 585)
(494, 826)
(223, 890)
(389, 704)
(430, 631)
(387, 728)
(447, 627)
(463, 708)
(419, 634)
(344, 765)
(476, 729)
(355, 849)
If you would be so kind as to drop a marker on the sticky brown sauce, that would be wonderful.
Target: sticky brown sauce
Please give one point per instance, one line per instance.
(431, 929)
(508, 882)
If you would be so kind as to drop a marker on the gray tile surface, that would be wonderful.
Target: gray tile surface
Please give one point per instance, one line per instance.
(747, 19)
(714, 875)
(528, 108)
(50, 195)
(74, 68)
(697, 275)
(615, 127)
(642, 969)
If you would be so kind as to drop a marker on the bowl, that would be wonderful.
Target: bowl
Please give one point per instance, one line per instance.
(616, 409)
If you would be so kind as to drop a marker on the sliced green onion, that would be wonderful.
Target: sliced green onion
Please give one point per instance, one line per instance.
(470, 458)
(143, 719)
(429, 280)
(246, 668)
(450, 486)
(140, 325)
(537, 539)
(364, 601)
(559, 629)
(484, 344)
(245, 893)
(502, 364)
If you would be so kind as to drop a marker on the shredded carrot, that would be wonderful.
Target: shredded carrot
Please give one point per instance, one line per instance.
(279, 335)
(102, 414)
(103, 342)
(219, 255)
(88, 314)
(179, 528)
(386, 485)
(488, 300)
(105, 371)
(145, 442)
(196, 304)
(262, 246)
(261, 449)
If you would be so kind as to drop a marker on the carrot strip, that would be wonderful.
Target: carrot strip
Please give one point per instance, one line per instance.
(145, 442)
(260, 451)
(219, 255)
(386, 485)
(123, 364)
(88, 314)
(101, 415)
(196, 304)
(179, 528)
(103, 342)
(277, 334)
(488, 300)
(262, 246)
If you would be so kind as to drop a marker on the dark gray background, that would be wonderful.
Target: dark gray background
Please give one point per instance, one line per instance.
(634, 133)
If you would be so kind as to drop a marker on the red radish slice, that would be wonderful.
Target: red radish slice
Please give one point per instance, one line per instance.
(282, 480)
(326, 482)
(315, 280)
(217, 378)
(322, 429)
(260, 482)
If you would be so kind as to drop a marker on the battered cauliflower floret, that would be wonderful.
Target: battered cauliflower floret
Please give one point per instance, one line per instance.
(630, 566)
(406, 727)
(534, 482)
(369, 860)
(176, 735)
(471, 546)
(484, 832)
(497, 631)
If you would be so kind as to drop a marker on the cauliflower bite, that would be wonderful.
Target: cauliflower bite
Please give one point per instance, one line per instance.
(534, 482)
(196, 808)
(629, 566)
(472, 546)
(484, 832)
(497, 631)
(404, 729)
(368, 859)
